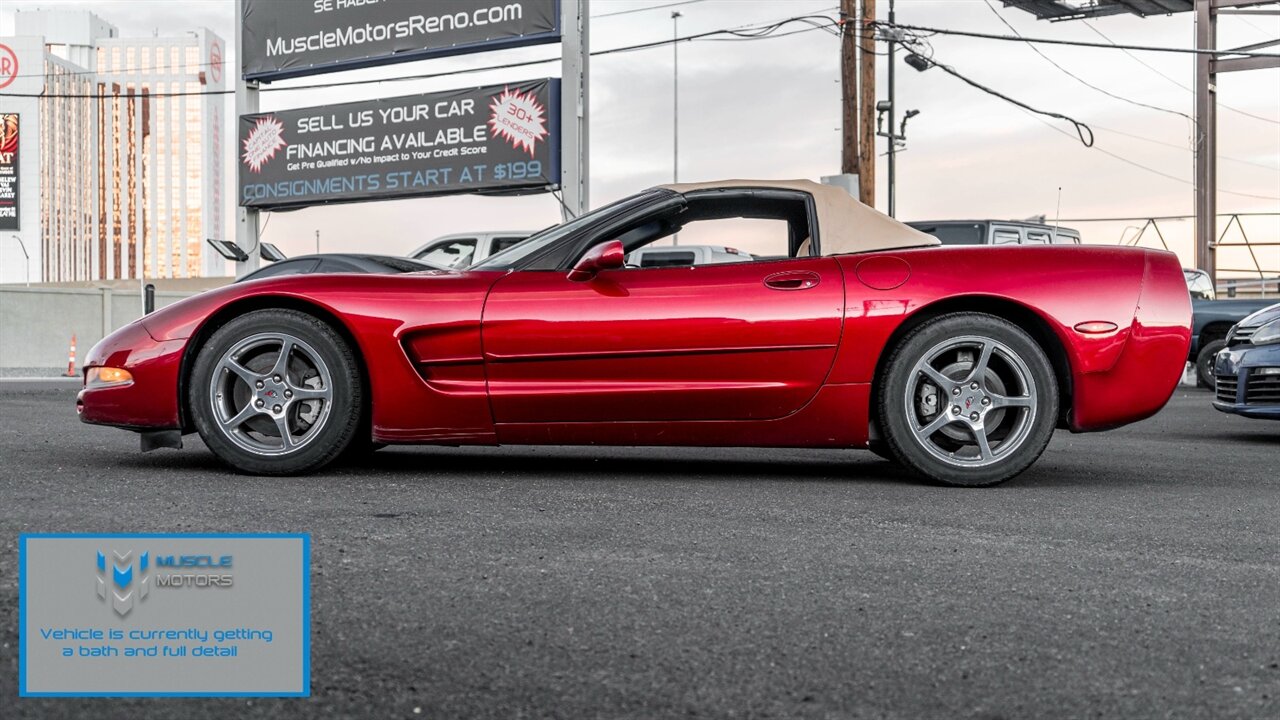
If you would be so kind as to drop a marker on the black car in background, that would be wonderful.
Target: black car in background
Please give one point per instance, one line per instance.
(1211, 320)
(1248, 369)
(340, 263)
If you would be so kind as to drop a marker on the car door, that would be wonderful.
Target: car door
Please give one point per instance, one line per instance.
(741, 341)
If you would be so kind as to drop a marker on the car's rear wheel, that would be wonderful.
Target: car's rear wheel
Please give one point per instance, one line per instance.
(276, 392)
(968, 399)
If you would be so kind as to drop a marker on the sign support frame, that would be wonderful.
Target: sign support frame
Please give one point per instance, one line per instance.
(246, 104)
(575, 104)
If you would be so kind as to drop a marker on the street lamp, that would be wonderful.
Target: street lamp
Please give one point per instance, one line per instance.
(27, 265)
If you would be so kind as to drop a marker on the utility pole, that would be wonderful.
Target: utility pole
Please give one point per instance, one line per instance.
(893, 143)
(1208, 66)
(675, 96)
(1206, 141)
(675, 104)
(867, 104)
(848, 89)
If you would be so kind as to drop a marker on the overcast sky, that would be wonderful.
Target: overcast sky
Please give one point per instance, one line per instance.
(770, 109)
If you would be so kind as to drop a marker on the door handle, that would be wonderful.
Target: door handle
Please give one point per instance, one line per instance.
(792, 280)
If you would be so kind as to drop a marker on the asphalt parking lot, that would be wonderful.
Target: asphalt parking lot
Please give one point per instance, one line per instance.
(1129, 574)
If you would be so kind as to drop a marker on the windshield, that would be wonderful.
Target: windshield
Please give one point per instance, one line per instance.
(513, 255)
(1199, 285)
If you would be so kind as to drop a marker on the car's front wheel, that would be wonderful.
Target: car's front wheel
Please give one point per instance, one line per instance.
(968, 399)
(1204, 363)
(276, 392)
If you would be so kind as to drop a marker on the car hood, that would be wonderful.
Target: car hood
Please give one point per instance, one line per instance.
(337, 294)
(1263, 316)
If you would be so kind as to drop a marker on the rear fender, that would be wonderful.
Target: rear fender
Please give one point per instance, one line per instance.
(1148, 370)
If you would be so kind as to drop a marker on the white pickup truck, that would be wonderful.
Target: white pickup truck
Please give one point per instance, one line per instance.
(466, 249)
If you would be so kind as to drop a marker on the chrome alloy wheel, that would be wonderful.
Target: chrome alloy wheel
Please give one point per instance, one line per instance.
(970, 401)
(271, 393)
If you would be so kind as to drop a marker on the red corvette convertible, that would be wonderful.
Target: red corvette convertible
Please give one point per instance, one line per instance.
(857, 332)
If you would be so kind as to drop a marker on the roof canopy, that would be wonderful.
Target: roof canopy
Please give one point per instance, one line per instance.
(1080, 9)
(844, 224)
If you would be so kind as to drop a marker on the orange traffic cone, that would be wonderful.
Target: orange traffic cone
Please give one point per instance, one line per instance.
(71, 358)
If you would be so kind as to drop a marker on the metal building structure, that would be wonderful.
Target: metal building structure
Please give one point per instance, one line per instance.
(1210, 61)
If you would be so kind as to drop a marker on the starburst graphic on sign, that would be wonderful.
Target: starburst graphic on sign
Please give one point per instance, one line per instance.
(266, 137)
(518, 117)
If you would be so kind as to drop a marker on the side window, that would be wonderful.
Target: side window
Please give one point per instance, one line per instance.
(1199, 287)
(722, 226)
(723, 240)
(1036, 237)
(502, 243)
(455, 252)
(1005, 237)
(954, 233)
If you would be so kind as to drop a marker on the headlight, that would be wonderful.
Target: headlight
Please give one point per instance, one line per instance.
(1267, 334)
(102, 377)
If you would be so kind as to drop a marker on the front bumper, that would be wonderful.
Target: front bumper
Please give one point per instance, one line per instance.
(1248, 381)
(150, 402)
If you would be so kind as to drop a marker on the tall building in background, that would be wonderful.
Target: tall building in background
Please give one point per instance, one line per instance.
(159, 173)
(121, 172)
(54, 224)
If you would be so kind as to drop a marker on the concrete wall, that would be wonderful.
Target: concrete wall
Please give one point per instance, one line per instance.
(36, 324)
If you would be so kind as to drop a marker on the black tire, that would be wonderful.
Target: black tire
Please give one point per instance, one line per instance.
(319, 393)
(951, 453)
(1204, 363)
(361, 448)
(881, 450)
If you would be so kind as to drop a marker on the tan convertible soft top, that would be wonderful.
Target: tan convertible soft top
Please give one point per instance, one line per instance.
(845, 225)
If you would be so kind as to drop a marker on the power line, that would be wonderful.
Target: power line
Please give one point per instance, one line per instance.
(126, 71)
(1180, 84)
(1183, 148)
(1082, 130)
(1075, 43)
(645, 9)
(761, 32)
(1079, 79)
(1154, 171)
